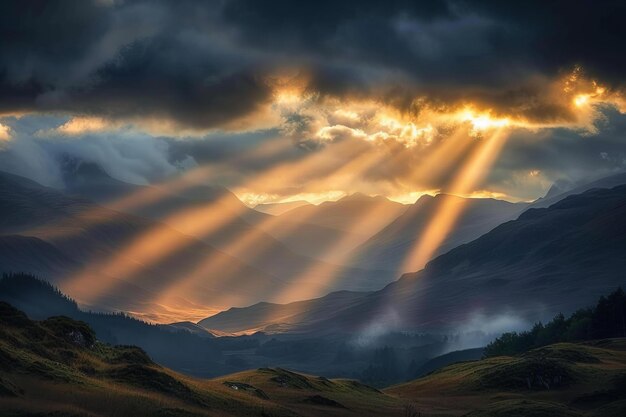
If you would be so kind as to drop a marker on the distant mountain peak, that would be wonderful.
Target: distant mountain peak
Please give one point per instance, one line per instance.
(559, 187)
(358, 196)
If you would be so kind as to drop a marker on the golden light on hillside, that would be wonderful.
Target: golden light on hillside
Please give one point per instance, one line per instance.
(345, 141)
(316, 280)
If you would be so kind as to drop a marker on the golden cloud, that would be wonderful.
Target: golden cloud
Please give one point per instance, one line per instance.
(5, 133)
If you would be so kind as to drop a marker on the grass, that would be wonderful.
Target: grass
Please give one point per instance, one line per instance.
(558, 380)
(56, 368)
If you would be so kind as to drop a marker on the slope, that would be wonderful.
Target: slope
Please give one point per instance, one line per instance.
(58, 367)
(70, 236)
(547, 261)
(587, 379)
(271, 244)
(392, 245)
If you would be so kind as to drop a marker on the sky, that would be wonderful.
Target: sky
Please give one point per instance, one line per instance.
(289, 100)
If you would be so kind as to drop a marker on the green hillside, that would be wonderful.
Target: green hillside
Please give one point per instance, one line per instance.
(565, 379)
(56, 367)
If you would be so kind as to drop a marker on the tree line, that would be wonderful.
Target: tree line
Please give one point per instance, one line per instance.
(607, 319)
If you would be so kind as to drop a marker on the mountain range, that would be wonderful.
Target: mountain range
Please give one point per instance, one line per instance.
(64, 236)
(391, 246)
(548, 260)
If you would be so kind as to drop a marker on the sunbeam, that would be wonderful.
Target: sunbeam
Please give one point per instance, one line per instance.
(158, 242)
(468, 176)
(254, 242)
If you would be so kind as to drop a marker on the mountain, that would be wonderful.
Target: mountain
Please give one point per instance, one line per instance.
(277, 209)
(261, 240)
(136, 261)
(560, 190)
(280, 317)
(345, 223)
(46, 232)
(390, 247)
(546, 261)
(348, 213)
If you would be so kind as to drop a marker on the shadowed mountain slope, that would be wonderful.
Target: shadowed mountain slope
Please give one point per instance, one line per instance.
(547, 261)
(70, 236)
(392, 245)
(556, 193)
(273, 244)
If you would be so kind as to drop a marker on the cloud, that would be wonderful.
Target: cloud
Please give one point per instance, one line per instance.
(205, 65)
(145, 86)
(80, 125)
(127, 155)
(5, 133)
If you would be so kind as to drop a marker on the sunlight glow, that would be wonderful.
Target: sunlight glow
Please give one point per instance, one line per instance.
(254, 242)
(474, 170)
(5, 133)
(161, 243)
(482, 122)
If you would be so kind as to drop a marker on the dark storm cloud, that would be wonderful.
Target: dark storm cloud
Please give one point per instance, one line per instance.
(125, 59)
(488, 51)
(203, 64)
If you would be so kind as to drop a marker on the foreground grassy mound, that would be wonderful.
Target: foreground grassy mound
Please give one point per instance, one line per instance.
(315, 395)
(56, 367)
(563, 379)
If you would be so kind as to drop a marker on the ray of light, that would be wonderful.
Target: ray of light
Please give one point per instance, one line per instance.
(444, 219)
(315, 281)
(152, 194)
(158, 242)
(444, 156)
(253, 241)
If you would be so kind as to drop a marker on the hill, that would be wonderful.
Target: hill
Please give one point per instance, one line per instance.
(58, 367)
(173, 346)
(586, 379)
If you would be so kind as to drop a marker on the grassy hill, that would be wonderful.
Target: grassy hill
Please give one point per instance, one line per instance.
(565, 379)
(56, 367)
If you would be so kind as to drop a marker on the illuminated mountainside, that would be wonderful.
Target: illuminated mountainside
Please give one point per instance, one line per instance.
(548, 260)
